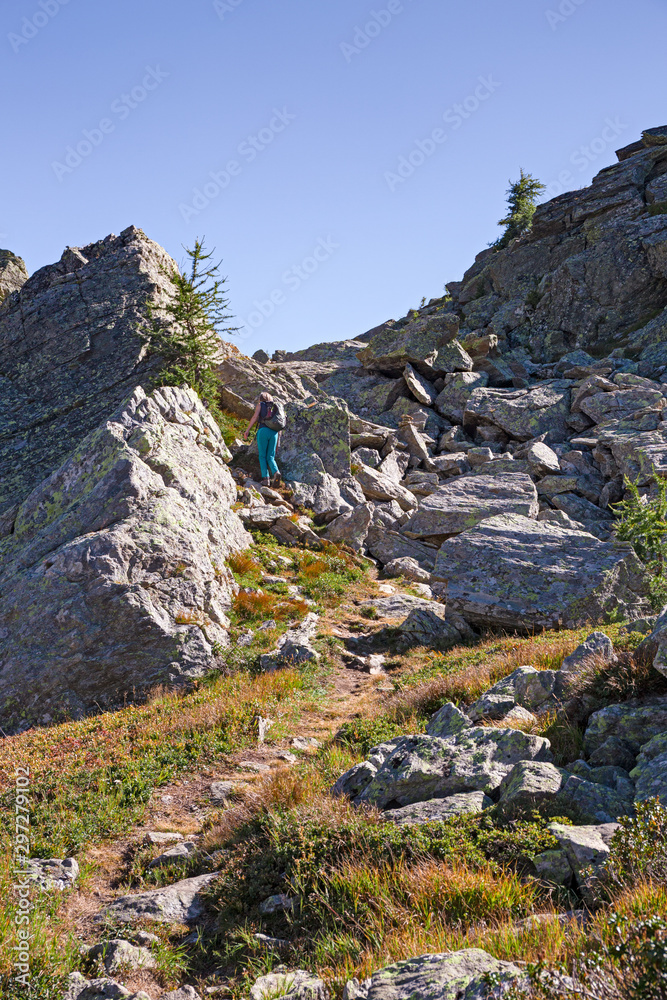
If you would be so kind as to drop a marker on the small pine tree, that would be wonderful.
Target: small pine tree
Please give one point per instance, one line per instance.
(188, 339)
(521, 202)
(643, 523)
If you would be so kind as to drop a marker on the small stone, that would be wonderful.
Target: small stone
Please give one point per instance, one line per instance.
(155, 837)
(305, 743)
(276, 904)
(252, 765)
(176, 853)
(296, 985)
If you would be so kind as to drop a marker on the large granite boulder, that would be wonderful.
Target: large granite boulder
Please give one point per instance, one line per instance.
(418, 768)
(457, 975)
(463, 502)
(70, 352)
(635, 722)
(416, 343)
(13, 273)
(114, 578)
(315, 440)
(650, 773)
(513, 572)
(180, 903)
(367, 394)
(242, 379)
(522, 413)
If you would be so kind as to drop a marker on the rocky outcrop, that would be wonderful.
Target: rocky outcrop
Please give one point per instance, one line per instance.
(513, 572)
(71, 351)
(13, 273)
(114, 578)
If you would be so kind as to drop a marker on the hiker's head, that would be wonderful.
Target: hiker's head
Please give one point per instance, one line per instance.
(265, 397)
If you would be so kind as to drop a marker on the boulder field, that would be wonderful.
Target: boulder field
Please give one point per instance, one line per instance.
(476, 446)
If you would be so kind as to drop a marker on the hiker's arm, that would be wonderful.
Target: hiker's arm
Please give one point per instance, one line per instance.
(255, 418)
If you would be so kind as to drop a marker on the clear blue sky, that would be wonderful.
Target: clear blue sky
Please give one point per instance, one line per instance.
(314, 117)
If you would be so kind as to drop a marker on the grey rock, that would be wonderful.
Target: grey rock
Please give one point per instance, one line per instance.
(596, 650)
(71, 350)
(180, 903)
(118, 955)
(397, 606)
(553, 866)
(378, 486)
(183, 993)
(429, 627)
(503, 696)
(448, 721)
(522, 413)
(294, 646)
(458, 975)
(542, 459)
(115, 577)
(418, 768)
(613, 752)
(584, 846)
(621, 403)
(416, 344)
(408, 568)
(387, 544)
(296, 985)
(316, 440)
(654, 647)
(452, 401)
(352, 527)
(177, 853)
(13, 273)
(436, 810)
(261, 356)
(158, 837)
(650, 774)
(368, 395)
(513, 572)
(596, 802)
(279, 903)
(422, 390)
(529, 784)
(635, 722)
(465, 501)
(367, 456)
(534, 689)
(52, 873)
(80, 988)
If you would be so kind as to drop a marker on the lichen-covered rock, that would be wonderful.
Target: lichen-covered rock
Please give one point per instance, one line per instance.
(654, 646)
(513, 572)
(294, 646)
(180, 903)
(503, 696)
(296, 985)
(523, 413)
(448, 721)
(114, 579)
(553, 866)
(584, 846)
(635, 722)
(52, 873)
(408, 568)
(420, 388)
(118, 954)
(13, 273)
(458, 975)
(377, 486)
(463, 502)
(529, 784)
(316, 440)
(427, 626)
(436, 810)
(417, 344)
(80, 988)
(71, 351)
(352, 527)
(596, 802)
(387, 544)
(650, 773)
(418, 768)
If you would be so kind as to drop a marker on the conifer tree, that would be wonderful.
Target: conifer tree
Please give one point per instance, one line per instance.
(521, 202)
(188, 338)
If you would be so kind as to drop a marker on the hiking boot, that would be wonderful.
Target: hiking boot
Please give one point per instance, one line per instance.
(276, 481)
(266, 481)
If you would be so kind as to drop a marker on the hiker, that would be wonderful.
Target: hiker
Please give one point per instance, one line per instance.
(269, 415)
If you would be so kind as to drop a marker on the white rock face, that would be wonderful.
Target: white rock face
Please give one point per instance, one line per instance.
(115, 576)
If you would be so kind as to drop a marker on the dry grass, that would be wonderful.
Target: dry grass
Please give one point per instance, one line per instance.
(262, 605)
(464, 673)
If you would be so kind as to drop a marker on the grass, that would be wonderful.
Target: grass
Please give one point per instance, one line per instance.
(231, 426)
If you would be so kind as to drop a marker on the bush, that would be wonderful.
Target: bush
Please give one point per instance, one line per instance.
(642, 521)
(639, 847)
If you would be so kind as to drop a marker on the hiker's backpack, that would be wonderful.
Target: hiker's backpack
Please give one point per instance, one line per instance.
(275, 418)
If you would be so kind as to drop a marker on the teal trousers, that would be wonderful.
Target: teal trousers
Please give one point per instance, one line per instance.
(267, 442)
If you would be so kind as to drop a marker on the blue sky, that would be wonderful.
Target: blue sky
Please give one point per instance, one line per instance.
(344, 157)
